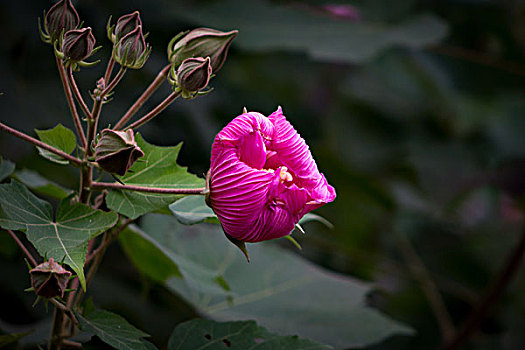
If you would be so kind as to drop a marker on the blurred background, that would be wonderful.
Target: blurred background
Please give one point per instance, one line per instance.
(413, 110)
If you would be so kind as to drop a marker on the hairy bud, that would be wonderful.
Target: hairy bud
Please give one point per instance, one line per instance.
(49, 279)
(193, 75)
(125, 24)
(61, 17)
(131, 51)
(78, 44)
(116, 151)
(201, 42)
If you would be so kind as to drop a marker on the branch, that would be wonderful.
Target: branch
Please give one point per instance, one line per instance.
(23, 247)
(162, 106)
(155, 84)
(71, 103)
(115, 186)
(77, 94)
(75, 161)
(495, 290)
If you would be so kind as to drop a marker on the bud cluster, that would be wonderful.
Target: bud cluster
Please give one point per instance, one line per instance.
(130, 49)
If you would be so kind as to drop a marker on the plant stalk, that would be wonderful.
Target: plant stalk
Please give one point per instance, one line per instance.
(23, 247)
(77, 93)
(160, 190)
(162, 106)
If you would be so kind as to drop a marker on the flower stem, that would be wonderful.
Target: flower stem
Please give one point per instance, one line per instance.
(77, 94)
(109, 68)
(495, 290)
(162, 106)
(23, 247)
(155, 84)
(114, 82)
(75, 161)
(71, 102)
(160, 190)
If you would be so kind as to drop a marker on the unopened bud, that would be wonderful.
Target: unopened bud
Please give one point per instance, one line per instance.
(131, 51)
(116, 151)
(49, 279)
(193, 75)
(61, 17)
(201, 42)
(78, 44)
(125, 24)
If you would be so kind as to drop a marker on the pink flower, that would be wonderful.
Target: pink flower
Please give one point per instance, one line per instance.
(263, 178)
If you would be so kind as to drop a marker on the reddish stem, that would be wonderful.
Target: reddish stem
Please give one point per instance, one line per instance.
(114, 82)
(162, 106)
(77, 93)
(109, 69)
(160, 190)
(155, 84)
(21, 135)
(23, 247)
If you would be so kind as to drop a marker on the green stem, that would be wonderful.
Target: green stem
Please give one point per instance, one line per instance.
(155, 84)
(75, 161)
(160, 190)
(162, 106)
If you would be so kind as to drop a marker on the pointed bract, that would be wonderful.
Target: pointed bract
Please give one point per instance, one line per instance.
(131, 51)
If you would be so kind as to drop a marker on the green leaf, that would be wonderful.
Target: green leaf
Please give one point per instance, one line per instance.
(41, 185)
(161, 259)
(266, 26)
(314, 217)
(191, 210)
(211, 335)
(59, 137)
(158, 168)
(6, 339)
(6, 168)
(114, 330)
(64, 239)
(278, 289)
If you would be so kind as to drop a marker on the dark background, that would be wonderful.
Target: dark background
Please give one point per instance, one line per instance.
(423, 137)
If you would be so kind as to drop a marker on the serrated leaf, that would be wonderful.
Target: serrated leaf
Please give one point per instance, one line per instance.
(6, 339)
(6, 168)
(148, 254)
(158, 168)
(41, 185)
(191, 210)
(114, 330)
(241, 335)
(64, 239)
(278, 289)
(59, 137)
(266, 26)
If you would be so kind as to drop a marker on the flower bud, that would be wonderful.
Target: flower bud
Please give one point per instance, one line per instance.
(61, 17)
(201, 42)
(193, 75)
(125, 24)
(131, 51)
(78, 44)
(49, 279)
(116, 151)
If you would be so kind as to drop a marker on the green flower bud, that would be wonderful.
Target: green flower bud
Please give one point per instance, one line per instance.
(61, 17)
(193, 75)
(131, 51)
(78, 44)
(116, 151)
(201, 42)
(125, 24)
(49, 279)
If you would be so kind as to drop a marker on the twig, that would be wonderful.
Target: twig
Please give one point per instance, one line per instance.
(167, 101)
(492, 294)
(75, 161)
(418, 270)
(104, 185)
(114, 82)
(77, 93)
(155, 84)
(71, 102)
(23, 247)
(64, 308)
(109, 68)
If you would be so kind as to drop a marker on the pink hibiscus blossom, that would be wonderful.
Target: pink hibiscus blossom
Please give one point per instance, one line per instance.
(263, 178)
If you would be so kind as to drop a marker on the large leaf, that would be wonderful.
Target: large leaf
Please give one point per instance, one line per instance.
(161, 259)
(278, 289)
(59, 137)
(41, 185)
(246, 335)
(191, 210)
(114, 330)
(158, 168)
(64, 239)
(265, 26)
(6, 168)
